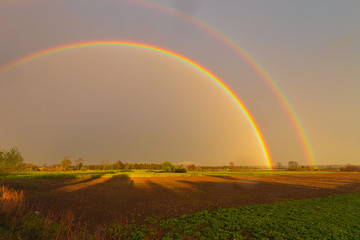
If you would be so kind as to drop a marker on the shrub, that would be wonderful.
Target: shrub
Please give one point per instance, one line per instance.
(44, 169)
(180, 169)
(11, 201)
(191, 167)
(304, 168)
(32, 168)
(350, 168)
(170, 167)
(57, 168)
(84, 168)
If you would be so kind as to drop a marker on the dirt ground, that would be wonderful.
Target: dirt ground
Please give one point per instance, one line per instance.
(104, 200)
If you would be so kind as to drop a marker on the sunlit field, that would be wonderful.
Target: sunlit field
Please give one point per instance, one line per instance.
(179, 119)
(143, 204)
(147, 173)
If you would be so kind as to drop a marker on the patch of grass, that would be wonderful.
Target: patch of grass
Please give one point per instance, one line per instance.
(61, 174)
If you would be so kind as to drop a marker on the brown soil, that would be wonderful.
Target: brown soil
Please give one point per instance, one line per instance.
(104, 200)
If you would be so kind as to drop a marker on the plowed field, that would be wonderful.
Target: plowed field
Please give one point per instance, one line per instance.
(104, 200)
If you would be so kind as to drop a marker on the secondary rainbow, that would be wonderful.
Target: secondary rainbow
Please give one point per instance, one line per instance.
(295, 120)
(56, 49)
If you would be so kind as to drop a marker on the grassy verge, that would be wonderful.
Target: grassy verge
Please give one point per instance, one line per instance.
(335, 217)
(144, 173)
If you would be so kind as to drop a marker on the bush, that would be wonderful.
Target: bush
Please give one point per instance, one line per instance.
(180, 169)
(305, 168)
(84, 168)
(44, 169)
(32, 168)
(57, 168)
(350, 168)
(169, 167)
(191, 167)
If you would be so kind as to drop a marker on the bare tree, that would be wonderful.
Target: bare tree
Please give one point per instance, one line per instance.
(293, 165)
(79, 163)
(104, 163)
(231, 166)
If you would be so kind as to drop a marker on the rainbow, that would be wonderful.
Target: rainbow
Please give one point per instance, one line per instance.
(295, 121)
(61, 48)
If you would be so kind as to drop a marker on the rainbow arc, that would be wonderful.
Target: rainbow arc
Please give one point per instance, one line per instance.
(259, 135)
(280, 95)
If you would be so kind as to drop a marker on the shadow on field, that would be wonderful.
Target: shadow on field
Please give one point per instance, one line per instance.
(82, 180)
(109, 199)
(224, 177)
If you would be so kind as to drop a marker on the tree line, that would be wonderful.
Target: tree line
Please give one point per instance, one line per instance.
(11, 160)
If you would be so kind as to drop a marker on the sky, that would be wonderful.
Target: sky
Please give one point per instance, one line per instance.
(137, 105)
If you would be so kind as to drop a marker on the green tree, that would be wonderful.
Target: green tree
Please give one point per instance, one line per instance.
(168, 166)
(65, 163)
(118, 165)
(10, 160)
